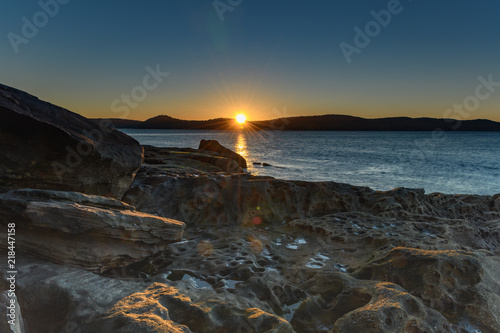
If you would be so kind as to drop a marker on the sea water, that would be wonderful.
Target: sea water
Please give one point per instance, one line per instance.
(447, 162)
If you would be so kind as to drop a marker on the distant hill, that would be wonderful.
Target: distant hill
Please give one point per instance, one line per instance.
(316, 123)
(120, 123)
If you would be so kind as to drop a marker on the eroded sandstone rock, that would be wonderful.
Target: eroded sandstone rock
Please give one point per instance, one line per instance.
(56, 298)
(461, 285)
(242, 199)
(64, 299)
(87, 231)
(164, 308)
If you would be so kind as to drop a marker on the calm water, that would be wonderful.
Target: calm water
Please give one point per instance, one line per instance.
(460, 162)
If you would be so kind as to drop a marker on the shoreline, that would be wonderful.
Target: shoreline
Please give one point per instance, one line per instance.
(415, 162)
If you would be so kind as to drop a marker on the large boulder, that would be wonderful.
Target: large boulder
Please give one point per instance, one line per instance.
(215, 146)
(48, 147)
(188, 160)
(86, 231)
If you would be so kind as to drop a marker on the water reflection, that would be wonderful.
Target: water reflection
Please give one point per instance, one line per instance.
(241, 145)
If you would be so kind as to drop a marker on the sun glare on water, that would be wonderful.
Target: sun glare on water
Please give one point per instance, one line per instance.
(241, 118)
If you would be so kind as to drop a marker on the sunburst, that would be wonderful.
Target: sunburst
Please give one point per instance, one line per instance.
(241, 118)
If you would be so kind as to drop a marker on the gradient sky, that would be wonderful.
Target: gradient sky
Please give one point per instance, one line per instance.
(266, 58)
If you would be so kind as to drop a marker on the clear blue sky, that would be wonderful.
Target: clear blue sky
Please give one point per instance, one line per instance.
(264, 55)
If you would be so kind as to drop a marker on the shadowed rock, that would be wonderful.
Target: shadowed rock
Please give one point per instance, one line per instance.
(48, 147)
(214, 145)
(87, 231)
(183, 160)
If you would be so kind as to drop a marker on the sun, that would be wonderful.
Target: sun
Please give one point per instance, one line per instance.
(241, 118)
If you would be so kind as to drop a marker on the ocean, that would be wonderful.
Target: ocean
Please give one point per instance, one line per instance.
(446, 162)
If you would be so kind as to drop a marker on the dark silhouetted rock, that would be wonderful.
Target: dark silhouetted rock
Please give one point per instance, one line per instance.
(214, 145)
(87, 231)
(48, 147)
(187, 159)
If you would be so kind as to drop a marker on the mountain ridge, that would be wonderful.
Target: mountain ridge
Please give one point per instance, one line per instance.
(328, 122)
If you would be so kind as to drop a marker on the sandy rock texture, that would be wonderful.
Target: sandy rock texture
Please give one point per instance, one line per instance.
(44, 146)
(356, 281)
(266, 255)
(330, 257)
(87, 231)
(63, 299)
(200, 197)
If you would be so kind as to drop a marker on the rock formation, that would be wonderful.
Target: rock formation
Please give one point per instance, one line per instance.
(87, 231)
(215, 146)
(215, 199)
(69, 299)
(184, 160)
(332, 257)
(47, 147)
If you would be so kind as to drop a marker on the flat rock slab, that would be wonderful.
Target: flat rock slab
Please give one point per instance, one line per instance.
(86, 231)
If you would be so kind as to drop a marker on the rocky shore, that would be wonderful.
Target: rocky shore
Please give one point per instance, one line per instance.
(111, 236)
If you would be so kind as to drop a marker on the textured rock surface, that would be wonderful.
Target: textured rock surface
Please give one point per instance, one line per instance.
(215, 146)
(87, 231)
(458, 284)
(319, 283)
(184, 160)
(241, 199)
(56, 298)
(63, 299)
(369, 269)
(331, 257)
(47, 147)
(166, 308)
